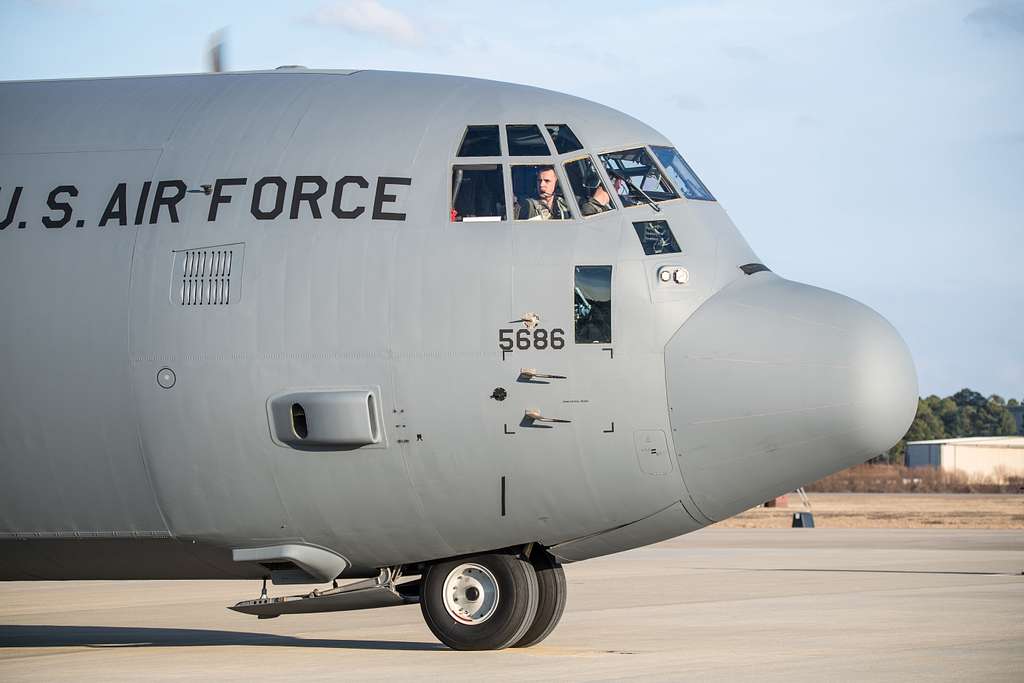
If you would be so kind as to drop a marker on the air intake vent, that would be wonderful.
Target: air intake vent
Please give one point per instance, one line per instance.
(207, 277)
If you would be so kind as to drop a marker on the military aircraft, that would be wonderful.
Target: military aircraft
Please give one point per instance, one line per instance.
(436, 333)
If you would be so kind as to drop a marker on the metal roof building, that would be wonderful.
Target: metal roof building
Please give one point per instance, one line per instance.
(983, 457)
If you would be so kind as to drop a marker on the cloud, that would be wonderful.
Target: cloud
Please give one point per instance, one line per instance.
(371, 18)
(999, 16)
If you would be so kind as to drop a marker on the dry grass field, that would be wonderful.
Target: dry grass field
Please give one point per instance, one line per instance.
(880, 478)
(893, 511)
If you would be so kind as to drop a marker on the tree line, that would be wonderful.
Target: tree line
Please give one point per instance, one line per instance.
(965, 413)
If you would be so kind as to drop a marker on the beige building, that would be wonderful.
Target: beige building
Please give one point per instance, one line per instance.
(997, 458)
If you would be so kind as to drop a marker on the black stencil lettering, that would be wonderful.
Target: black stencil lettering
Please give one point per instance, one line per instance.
(117, 207)
(339, 187)
(381, 198)
(11, 208)
(140, 210)
(257, 194)
(217, 199)
(311, 198)
(170, 202)
(63, 207)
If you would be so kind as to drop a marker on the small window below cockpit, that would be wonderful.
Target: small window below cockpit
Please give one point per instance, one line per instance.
(681, 174)
(656, 237)
(526, 141)
(592, 304)
(563, 137)
(591, 194)
(480, 141)
(478, 193)
(636, 177)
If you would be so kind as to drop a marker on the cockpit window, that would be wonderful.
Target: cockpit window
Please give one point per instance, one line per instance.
(563, 137)
(636, 178)
(478, 193)
(480, 141)
(592, 304)
(591, 194)
(526, 141)
(681, 174)
(538, 194)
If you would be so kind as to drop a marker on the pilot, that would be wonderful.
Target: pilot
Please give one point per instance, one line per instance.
(599, 202)
(548, 205)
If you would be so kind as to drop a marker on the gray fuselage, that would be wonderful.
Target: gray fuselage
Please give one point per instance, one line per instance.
(137, 416)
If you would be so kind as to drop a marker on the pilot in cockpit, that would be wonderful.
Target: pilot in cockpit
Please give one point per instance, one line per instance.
(588, 187)
(549, 203)
(599, 202)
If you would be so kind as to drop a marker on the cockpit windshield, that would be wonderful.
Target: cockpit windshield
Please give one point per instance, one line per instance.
(681, 173)
(636, 177)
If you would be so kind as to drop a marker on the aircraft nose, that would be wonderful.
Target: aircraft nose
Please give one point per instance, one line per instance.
(773, 384)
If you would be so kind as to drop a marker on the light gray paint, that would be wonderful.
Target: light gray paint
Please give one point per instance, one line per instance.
(802, 382)
(317, 564)
(333, 418)
(92, 445)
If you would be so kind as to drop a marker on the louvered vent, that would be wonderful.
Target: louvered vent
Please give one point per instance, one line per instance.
(207, 277)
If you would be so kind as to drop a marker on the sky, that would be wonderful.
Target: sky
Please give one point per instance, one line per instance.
(872, 148)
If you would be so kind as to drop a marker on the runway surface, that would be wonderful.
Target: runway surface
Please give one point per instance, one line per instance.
(720, 604)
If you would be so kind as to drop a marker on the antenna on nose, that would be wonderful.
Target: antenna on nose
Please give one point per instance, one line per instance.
(215, 61)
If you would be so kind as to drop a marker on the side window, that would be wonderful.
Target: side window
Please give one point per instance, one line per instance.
(480, 141)
(563, 137)
(591, 194)
(478, 193)
(592, 304)
(538, 194)
(526, 141)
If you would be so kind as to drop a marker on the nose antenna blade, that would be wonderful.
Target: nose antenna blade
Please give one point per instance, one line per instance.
(215, 62)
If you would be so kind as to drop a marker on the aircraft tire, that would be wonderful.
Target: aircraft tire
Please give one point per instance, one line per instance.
(481, 602)
(551, 598)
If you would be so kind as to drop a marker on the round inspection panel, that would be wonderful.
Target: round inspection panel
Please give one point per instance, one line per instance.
(165, 378)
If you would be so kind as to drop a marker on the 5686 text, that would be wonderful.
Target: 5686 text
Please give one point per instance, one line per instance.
(537, 338)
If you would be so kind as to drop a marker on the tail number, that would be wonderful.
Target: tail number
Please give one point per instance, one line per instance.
(537, 338)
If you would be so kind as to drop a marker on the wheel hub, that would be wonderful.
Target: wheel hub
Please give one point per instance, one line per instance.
(470, 593)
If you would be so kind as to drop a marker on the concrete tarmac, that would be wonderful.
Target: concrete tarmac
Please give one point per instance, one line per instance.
(719, 604)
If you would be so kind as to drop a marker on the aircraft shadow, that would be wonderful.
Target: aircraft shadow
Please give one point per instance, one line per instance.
(16, 635)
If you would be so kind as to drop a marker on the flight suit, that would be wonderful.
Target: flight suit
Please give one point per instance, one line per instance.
(536, 210)
(592, 206)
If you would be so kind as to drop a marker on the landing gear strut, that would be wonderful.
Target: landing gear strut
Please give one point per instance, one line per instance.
(493, 601)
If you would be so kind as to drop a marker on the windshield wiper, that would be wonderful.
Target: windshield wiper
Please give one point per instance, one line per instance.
(629, 183)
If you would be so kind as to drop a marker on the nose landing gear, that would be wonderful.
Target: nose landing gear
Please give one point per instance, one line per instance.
(551, 597)
(493, 601)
